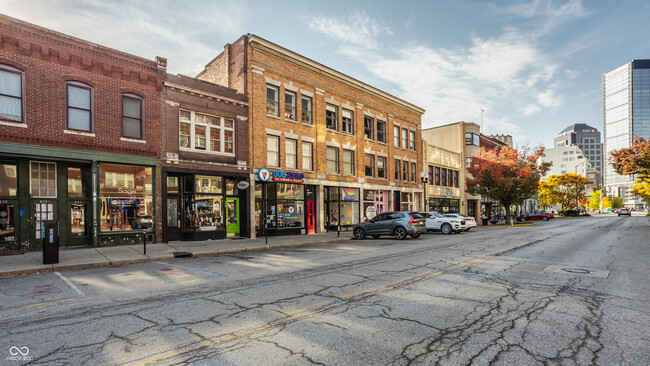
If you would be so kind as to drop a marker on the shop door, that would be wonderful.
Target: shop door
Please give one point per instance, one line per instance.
(173, 227)
(9, 226)
(79, 228)
(311, 217)
(232, 215)
(41, 210)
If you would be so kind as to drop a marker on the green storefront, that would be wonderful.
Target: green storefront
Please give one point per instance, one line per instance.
(98, 199)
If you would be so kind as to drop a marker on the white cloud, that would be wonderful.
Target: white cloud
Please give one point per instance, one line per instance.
(550, 16)
(147, 29)
(358, 29)
(531, 109)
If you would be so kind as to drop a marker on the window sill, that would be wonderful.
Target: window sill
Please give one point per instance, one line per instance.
(13, 124)
(367, 139)
(133, 140)
(272, 116)
(332, 173)
(347, 134)
(308, 124)
(349, 175)
(205, 152)
(291, 120)
(381, 143)
(80, 133)
(330, 130)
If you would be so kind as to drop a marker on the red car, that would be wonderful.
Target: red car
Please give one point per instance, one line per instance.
(544, 216)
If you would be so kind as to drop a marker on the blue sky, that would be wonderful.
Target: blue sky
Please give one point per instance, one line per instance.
(534, 65)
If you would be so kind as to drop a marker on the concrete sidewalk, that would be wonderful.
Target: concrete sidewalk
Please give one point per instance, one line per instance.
(80, 258)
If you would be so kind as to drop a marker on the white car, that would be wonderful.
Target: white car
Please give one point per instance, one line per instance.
(467, 221)
(438, 222)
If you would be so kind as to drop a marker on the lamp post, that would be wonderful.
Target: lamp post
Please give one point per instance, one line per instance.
(425, 179)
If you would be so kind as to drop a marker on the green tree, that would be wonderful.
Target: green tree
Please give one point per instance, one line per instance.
(617, 202)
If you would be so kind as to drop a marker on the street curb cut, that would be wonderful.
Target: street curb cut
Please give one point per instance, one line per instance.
(76, 267)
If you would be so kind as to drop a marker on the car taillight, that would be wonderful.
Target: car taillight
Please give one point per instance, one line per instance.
(412, 220)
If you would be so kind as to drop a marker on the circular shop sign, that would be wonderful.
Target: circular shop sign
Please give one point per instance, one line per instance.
(290, 209)
(243, 184)
(264, 175)
(371, 212)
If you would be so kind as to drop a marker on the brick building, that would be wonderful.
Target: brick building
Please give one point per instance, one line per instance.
(204, 159)
(79, 141)
(327, 150)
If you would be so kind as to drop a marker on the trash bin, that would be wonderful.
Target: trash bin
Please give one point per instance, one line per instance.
(485, 221)
(51, 242)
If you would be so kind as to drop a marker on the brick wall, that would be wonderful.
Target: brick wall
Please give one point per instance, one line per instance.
(48, 60)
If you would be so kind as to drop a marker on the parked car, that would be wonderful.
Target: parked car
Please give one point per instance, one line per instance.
(399, 224)
(435, 221)
(624, 211)
(544, 216)
(615, 210)
(467, 222)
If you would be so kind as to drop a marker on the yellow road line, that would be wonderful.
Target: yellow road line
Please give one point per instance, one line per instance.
(49, 302)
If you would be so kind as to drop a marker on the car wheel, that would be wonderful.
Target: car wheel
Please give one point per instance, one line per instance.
(446, 229)
(400, 233)
(375, 236)
(359, 233)
(544, 218)
(415, 236)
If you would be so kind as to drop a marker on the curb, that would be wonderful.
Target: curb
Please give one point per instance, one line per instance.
(124, 262)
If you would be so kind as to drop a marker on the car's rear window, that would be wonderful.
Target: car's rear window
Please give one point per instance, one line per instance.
(416, 215)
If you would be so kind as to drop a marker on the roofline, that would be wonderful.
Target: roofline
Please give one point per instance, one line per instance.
(453, 123)
(74, 39)
(327, 70)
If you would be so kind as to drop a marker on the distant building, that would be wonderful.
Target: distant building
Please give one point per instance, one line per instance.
(587, 139)
(626, 115)
(566, 159)
(507, 139)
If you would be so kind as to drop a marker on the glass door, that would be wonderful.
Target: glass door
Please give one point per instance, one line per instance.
(232, 215)
(311, 217)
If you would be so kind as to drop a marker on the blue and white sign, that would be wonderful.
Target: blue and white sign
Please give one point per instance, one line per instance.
(264, 175)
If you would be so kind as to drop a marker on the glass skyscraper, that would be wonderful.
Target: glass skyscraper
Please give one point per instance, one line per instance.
(626, 115)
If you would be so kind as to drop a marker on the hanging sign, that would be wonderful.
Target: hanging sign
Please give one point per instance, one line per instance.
(243, 184)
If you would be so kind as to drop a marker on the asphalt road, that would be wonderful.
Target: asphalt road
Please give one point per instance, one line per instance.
(496, 295)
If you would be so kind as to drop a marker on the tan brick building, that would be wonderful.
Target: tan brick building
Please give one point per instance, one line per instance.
(334, 149)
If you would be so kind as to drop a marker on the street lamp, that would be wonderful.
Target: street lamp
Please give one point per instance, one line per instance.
(424, 177)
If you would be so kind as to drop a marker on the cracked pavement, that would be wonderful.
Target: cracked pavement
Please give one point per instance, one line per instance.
(485, 297)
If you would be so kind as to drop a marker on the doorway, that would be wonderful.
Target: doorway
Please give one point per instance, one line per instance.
(41, 210)
(232, 215)
(311, 217)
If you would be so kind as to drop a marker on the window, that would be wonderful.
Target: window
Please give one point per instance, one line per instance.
(306, 110)
(381, 131)
(437, 181)
(307, 156)
(347, 121)
(348, 162)
(332, 159)
(468, 162)
(405, 138)
(443, 174)
(398, 169)
(79, 107)
(472, 139)
(368, 127)
(290, 105)
(290, 153)
(200, 131)
(413, 169)
(405, 172)
(370, 165)
(272, 102)
(132, 116)
(332, 117)
(42, 179)
(430, 177)
(273, 151)
(11, 94)
(412, 140)
(8, 180)
(126, 196)
(381, 167)
(396, 136)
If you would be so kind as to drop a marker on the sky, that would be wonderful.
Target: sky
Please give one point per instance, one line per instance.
(533, 66)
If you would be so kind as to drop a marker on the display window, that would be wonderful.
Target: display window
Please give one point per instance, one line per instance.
(343, 206)
(406, 201)
(8, 180)
(7, 224)
(444, 205)
(374, 203)
(203, 212)
(78, 220)
(126, 197)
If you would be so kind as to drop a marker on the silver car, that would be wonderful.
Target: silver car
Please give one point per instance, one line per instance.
(399, 224)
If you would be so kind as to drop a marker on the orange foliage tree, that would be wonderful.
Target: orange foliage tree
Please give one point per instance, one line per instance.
(635, 160)
(506, 175)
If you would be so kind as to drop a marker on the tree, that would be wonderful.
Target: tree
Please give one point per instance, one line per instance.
(594, 200)
(606, 203)
(617, 202)
(506, 175)
(564, 189)
(635, 160)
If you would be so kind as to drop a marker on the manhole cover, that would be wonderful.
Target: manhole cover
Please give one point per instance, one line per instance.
(576, 270)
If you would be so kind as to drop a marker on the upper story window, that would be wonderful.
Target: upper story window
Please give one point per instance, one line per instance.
(472, 139)
(306, 110)
(381, 167)
(132, 126)
(368, 127)
(273, 151)
(370, 165)
(413, 170)
(405, 138)
(381, 131)
(348, 162)
(307, 156)
(272, 101)
(396, 136)
(79, 101)
(11, 94)
(332, 159)
(398, 169)
(204, 132)
(347, 121)
(291, 147)
(332, 117)
(412, 140)
(290, 105)
(405, 172)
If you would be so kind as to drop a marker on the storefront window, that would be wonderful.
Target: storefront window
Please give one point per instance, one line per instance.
(291, 214)
(349, 213)
(343, 206)
(172, 185)
(290, 191)
(203, 212)
(77, 182)
(7, 222)
(42, 179)
(374, 203)
(208, 184)
(8, 180)
(231, 187)
(406, 201)
(78, 219)
(126, 197)
(444, 205)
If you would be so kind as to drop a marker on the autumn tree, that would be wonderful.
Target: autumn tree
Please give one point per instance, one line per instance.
(606, 203)
(564, 189)
(617, 202)
(506, 175)
(594, 200)
(635, 160)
